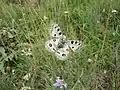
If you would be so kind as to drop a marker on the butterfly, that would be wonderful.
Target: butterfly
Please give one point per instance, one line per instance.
(59, 45)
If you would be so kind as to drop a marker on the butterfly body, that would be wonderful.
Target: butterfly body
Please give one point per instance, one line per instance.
(59, 44)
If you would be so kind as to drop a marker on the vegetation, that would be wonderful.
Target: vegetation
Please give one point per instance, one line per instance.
(24, 61)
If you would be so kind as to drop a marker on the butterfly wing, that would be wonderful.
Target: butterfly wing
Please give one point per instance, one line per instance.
(62, 53)
(51, 45)
(58, 43)
(74, 44)
(55, 31)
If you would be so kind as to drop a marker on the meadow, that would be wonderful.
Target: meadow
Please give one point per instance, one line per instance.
(25, 64)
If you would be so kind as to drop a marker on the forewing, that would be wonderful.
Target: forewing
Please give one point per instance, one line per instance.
(55, 31)
(51, 45)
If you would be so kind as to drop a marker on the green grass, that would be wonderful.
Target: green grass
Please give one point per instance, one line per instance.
(23, 27)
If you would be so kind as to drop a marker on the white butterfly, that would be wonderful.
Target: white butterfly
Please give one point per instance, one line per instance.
(59, 44)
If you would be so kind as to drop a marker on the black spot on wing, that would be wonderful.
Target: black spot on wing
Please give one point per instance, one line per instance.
(76, 42)
(53, 49)
(58, 52)
(79, 43)
(50, 45)
(72, 42)
(72, 47)
(54, 40)
(63, 54)
(55, 26)
(58, 29)
(54, 34)
(67, 49)
(60, 33)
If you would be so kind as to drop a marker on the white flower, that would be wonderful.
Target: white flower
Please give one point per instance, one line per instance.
(98, 21)
(23, 50)
(4, 32)
(105, 71)
(89, 60)
(20, 19)
(114, 11)
(113, 33)
(27, 76)
(10, 35)
(28, 54)
(13, 71)
(45, 18)
(0, 20)
(23, 14)
(58, 77)
(25, 88)
(66, 12)
(96, 55)
(29, 49)
(103, 10)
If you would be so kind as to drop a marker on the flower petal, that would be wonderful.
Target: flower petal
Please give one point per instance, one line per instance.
(65, 85)
(61, 87)
(56, 84)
